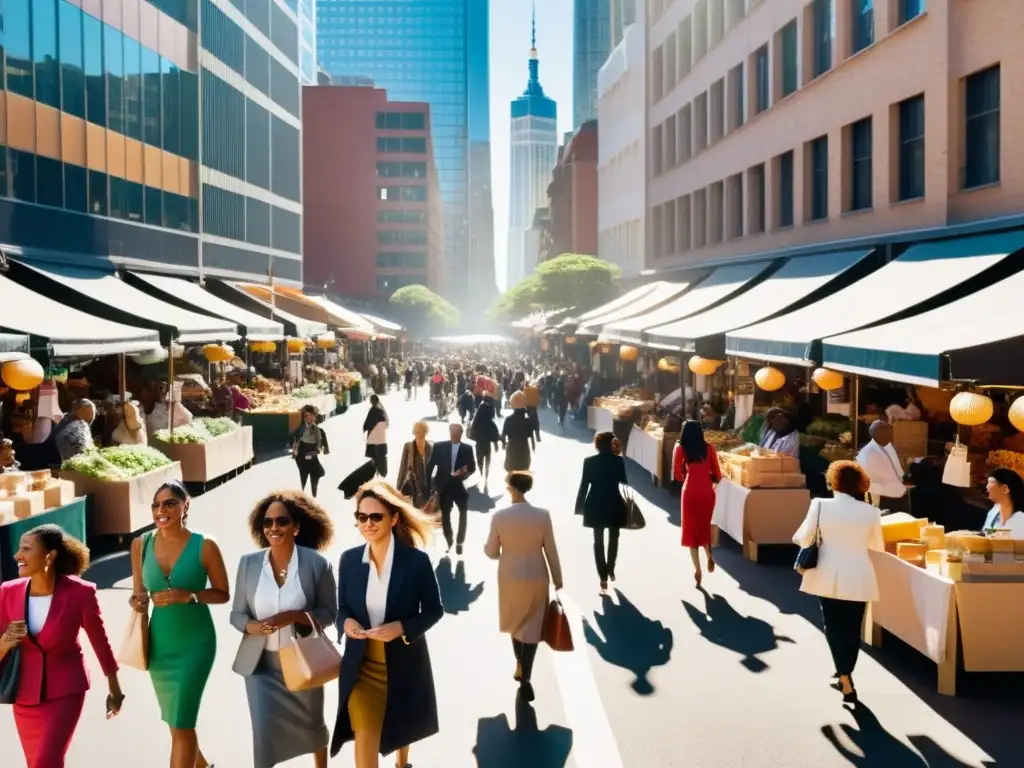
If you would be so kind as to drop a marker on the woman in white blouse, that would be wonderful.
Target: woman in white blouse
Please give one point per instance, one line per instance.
(844, 579)
(1006, 490)
(280, 589)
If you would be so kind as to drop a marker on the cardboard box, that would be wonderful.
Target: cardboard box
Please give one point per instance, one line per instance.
(23, 505)
(790, 465)
(58, 493)
(122, 506)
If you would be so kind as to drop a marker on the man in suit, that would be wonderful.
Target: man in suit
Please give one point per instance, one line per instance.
(453, 461)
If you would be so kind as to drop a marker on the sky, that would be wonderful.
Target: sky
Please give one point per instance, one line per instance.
(510, 51)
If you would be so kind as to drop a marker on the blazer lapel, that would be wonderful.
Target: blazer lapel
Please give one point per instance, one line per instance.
(360, 577)
(398, 573)
(306, 576)
(53, 616)
(253, 571)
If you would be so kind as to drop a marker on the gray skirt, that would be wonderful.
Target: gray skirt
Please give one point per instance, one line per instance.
(285, 725)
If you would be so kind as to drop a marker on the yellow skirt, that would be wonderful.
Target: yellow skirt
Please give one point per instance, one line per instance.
(368, 700)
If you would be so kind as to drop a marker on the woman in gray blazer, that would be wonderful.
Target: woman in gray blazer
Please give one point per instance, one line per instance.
(280, 590)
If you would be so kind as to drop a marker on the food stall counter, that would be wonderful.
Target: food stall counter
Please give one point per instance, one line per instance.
(70, 517)
(755, 516)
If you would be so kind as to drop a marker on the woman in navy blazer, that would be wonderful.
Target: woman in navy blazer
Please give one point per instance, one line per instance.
(387, 600)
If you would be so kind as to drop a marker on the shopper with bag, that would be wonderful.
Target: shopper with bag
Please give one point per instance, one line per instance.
(695, 465)
(388, 599)
(309, 442)
(412, 469)
(285, 591)
(42, 669)
(600, 501)
(522, 540)
(182, 573)
(375, 427)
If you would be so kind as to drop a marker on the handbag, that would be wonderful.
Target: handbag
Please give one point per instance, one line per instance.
(807, 557)
(634, 517)
(134, 650)
(556, 627)
(957, 470)
(10, 674)
(310, 662)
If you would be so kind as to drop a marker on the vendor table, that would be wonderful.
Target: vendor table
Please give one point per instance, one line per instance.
(70, 517)
(203, 462)
(647, 451)
(122, 506)
(941, 618)
(600, 419)
(753, 516)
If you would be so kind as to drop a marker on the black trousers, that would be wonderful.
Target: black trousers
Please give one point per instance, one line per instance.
(379, 454)
(448, 501)
(605, 562)
(309, 469)
(843, 622)
(525, 654)
(483, 457)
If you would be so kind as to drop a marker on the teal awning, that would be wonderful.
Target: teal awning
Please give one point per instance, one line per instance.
(925, 276)
(622, 301)
(661, 295)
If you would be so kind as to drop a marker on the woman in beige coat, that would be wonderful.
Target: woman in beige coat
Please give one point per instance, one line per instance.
(522, 540)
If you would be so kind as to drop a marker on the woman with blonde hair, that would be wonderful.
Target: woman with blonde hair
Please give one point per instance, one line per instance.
(412, 469)
(387, 598)
(517, 435)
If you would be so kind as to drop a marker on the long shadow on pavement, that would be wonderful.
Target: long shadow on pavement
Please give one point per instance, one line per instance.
(456, 593)
(500, 746)
(721, 624)
(630, 640)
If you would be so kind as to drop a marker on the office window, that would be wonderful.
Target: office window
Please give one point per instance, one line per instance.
(113, 59)
(402, 217)
(97, 192)
(153, 205)
(224, 139)
(911, 148)
(788, 47)
(786, 189)
(223, 38)
(17, 39)
(132, 89)
(76, 193)
(44, 50)
(258, 12)
(402, 260)
(49, 182)
(257, 66)
(761, 71)
(734, 206)
(133, 201)
(188, 118)
(223, 212)
(257, 146)
(183, 11)
(72, 62)
(23, 175)
(982, 129)
(95, 81)
(402, 236)
(172, 105)
(178, 212)
(284, 87)
(819, 178)
(118, 198)
(737, 97)
(407, 144)
(758, 199)
(684, 38)
(283, 33)
(716, 110)
(284, 169)
(822, 12)
(286, 230)
(910, 9)
(257, 222)
(407, 170)
(862, 25)
(407, 121)
(860, 159)
(151, 98)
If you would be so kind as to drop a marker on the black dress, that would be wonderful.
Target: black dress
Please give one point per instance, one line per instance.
(516, 434)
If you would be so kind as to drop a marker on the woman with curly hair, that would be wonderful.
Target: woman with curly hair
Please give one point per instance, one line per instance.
(387, 598)
(42, 613)
(281, 589)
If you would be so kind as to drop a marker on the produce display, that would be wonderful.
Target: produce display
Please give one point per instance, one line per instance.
(307, 391)
(201, 430)
(1008, 459)
(754, 467)
(625, 408)
(831, 426)
(119, 462)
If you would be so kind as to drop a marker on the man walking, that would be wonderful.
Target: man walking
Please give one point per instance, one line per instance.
(453, 461)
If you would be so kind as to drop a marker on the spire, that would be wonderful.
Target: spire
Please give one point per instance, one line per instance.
(533, 32)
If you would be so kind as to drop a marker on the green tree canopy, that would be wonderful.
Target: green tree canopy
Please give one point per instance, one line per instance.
(569, 280)
(423, 312)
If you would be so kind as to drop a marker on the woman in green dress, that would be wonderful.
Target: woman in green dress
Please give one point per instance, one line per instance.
(183, 573)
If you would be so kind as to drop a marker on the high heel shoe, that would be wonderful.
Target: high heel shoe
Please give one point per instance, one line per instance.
(851, 697)
(604, 586)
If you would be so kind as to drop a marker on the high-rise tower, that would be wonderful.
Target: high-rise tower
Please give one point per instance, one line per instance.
(592, 42)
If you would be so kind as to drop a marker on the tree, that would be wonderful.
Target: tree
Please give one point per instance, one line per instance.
(569, 280)
(423, 311)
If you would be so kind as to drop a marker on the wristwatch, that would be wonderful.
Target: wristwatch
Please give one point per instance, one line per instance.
(193, 598)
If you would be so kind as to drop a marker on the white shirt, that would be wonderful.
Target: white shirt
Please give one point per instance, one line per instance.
(995, 520)
(883, 467)
(38, 610)
(455, 454)
(377, 584)
(271, 599)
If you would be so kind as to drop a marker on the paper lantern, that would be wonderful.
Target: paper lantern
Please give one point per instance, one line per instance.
(970, 408)
(327, 341)
(263, 347)
(769, 379)
(826, 379)
(218, 353)
(22, 375)
(1016, 414)
(296, 346)
(702, 366)
(628, 353)
(570, 339)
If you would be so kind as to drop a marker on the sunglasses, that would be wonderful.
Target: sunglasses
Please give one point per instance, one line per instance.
(282, 522)
(166, 504)
(374, 517)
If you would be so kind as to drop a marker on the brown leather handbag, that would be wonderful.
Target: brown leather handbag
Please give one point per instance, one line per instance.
(310, 662)
(556, 627)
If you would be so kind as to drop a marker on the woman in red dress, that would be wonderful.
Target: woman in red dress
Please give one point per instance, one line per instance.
(695, 465)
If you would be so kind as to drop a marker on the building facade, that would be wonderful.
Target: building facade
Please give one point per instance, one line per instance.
(434, 51)
(777, 127)
(592, 42)
(624, 13)
(572, 195)
(374, 218)
(622, 153)
(533, 152)
(307, 45)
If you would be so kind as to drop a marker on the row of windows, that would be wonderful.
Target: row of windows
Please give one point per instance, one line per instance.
(402, 217)
(388, 284)
(402, 236)
(229, 214)
(404, 121)
(55, 53)
(402, 194)
(185, 12)
(402, 170)
(36, 179)
(400, 260)
(408, 144)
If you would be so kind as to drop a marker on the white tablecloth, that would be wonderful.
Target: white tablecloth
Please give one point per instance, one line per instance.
(730, 503)
(913, 604)
(599, 419)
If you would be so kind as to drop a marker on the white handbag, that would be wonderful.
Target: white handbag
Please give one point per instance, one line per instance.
(958, 469)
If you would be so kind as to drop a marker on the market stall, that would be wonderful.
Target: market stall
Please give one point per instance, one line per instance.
(758, 516)
(70, 515)
(207, 448)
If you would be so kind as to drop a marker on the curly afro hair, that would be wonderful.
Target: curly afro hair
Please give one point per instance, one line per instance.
(848, 477)
(72, 555)
(315, 527)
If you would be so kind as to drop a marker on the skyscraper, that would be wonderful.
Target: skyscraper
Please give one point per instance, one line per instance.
(592, 42)
(435, 51)
(623, 14)
(534, 152)
(307, 33)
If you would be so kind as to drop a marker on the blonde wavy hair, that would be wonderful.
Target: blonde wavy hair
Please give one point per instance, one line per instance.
(413, 527)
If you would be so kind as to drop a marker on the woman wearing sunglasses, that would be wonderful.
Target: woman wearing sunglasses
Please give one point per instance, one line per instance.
(387, 600)
(171, 566)
(279, 591)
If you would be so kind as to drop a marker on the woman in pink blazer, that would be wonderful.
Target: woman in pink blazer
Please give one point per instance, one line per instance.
(43, 613)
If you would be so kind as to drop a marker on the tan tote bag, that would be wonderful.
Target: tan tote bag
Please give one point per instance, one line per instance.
(310, 662)
(134, 651)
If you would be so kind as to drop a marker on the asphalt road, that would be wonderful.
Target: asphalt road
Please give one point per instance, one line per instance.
(663, 674)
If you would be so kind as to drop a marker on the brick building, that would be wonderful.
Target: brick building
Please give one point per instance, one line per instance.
(572, 195)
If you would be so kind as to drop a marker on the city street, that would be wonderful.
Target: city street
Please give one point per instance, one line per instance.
(663, 674)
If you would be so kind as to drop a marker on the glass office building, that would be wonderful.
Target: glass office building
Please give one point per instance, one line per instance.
(592, 42)
(435, 51)
(102, 153)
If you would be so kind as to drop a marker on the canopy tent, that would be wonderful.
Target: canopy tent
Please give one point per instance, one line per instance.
(106, 295)
(68, 332)
(294, 325)
(799, 281)
(189, 295)
(615, 304)
(928, 274)
(316, 308)
(938, 345)
(380, 322)
(663, 292)
(361, 329)
(721, 285)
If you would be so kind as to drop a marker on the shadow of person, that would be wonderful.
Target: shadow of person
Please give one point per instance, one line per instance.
(631, 640)
(456, 593)
(746, 635)
(480, 501)
(499, 746)
(107, 572)
(874, 745)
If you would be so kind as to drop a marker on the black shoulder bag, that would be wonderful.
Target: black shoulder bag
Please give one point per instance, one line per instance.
(807, 557)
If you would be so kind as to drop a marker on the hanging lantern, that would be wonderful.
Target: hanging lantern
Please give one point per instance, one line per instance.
(669, 365)
(218, 353)
(327, 341)
(22, 375)
(296, 346)
(769, 379)
(263, 347)
(570, 339)
(1016, 414)
(703, 366)
(970, 408)
(827, 380)
(628, 353)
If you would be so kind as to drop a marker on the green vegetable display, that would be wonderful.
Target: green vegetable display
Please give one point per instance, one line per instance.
(118, 462)
(217, 426)
(307, 390)
(201, 430)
